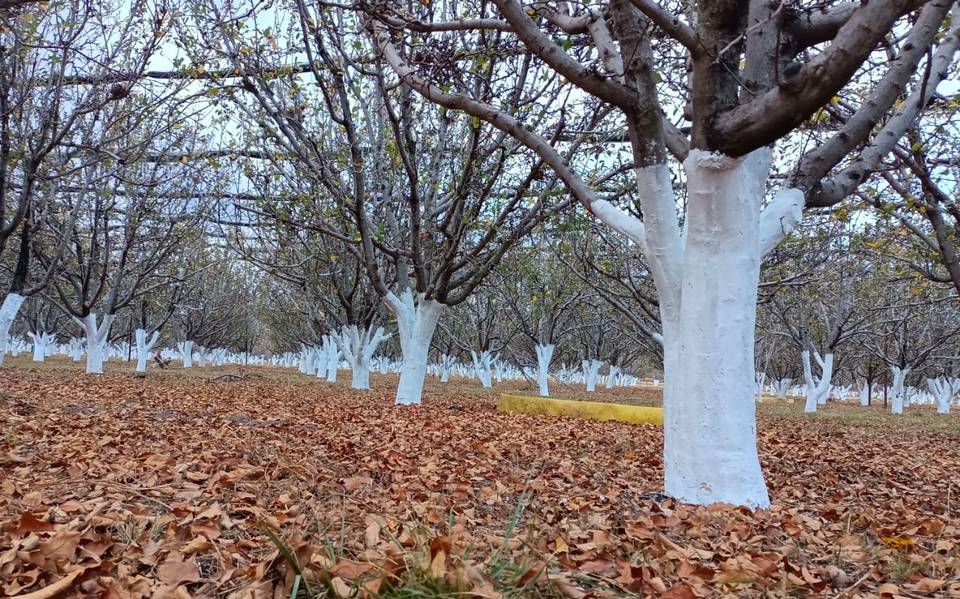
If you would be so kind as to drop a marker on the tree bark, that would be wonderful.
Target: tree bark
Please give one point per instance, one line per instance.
(8, 313)
(544, 355)
(416, 322)
(96, 341)
(710, 451)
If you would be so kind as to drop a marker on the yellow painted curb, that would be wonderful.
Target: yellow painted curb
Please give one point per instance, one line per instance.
(774, 399)
(589, 410)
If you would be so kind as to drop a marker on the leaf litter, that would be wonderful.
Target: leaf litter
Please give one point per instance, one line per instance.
(180, 486)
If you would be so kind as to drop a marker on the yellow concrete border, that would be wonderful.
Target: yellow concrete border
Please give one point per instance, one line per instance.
(774, 399)
(591, 410)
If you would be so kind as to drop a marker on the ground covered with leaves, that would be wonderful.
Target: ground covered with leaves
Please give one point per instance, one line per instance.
(266, 483)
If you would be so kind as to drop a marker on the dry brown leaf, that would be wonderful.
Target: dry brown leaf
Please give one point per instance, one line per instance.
(197, 545)
(30, 523)
(341, 588)
(175, 571)
(52, 590)
(349, 569)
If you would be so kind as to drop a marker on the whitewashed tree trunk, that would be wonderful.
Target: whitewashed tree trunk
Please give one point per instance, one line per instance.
(319, 362)
(482, 365)
(201, 357)
(416, 323)
(899, 392)
(76, 349)
(612, 376)
(331, 356)
(816, 389)
(96, 340)
(942, 392)
(499, 369)
(307, 363)
(710, 449)
(781, 386)
(446, 365)
(761, 379)
(840, 393)
(544, 355)
(8, 313)
(358, 348)
(591, 369)
(706, 279)
(864, 395)
(185, 348)
(42, 342)
(144, 347)
(218, 356)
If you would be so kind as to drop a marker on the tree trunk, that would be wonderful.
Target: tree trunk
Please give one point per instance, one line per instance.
(331, 357)
(358, 349)
(816, 389)
(544, 355)
(942, 392)
(482, 364)
(781, 386)
(710, 435)
(144, 347)
(41, 345)
(446, 364)
(319, 361)
(96, 341)
(612, 376)
(8, 313)
(76, 349)
(416, 322)
(899, 391)
(865, 394)
(591, 369)
(186, 353)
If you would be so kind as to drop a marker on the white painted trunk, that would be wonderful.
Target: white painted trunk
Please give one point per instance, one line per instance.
(331, 356)
(591, 368)
(416, 323)
(864, 395)
(42, 344)
(544, 355)
(76, 349)
(816, 389)
(710, 448)
(612, 376)
(358, 347)
(942, 392)
(499, 369)
(8, 313)
(781, 386)
(96, 341)
(144, 347)
(482, 364)
(186, 353)
(446, 365)
(320, 362)
(706, 279)
(899, 392)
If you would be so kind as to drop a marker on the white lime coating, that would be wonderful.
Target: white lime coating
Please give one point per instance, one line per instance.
(8, 313)
(416, 323)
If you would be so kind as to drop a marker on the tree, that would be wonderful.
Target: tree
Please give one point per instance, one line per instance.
(325, 284)
(435, 196)
(542, 299)
(118, 251)
(45, 117)
(758, 73)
